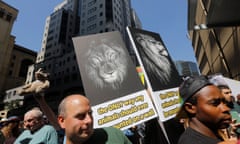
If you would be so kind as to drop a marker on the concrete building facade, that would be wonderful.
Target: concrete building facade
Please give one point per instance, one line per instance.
(14, 59)
(217, 49)
(76, 18)
(8, 15)
(57, 55)
(19, 62)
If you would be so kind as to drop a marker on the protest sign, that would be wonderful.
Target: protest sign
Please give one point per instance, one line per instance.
(111, 81)
(160, 73)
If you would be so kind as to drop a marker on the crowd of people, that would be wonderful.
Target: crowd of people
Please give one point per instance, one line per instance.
(209, 112)
(73, 125)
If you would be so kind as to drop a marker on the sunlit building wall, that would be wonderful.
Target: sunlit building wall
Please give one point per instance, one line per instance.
(217, 49)
(8, 15)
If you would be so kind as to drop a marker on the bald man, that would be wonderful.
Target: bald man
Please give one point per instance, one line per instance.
(75, 116)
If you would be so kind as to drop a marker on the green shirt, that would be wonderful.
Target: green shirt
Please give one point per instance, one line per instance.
(108, 135)
(45, 135)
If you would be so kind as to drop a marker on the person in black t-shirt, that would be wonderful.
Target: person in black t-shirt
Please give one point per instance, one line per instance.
(206, 110)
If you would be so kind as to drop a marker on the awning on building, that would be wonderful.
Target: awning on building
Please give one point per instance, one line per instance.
(220, 13)
(223, 13)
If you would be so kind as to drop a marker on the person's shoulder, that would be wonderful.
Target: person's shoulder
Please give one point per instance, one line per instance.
(111, 129)
(25, 131)
(110, 135)
(48, 127)
(190, 135)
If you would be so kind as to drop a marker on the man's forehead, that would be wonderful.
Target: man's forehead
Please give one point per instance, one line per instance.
(79, 102)
(29, 115)
(226, 90)
(210, 92)
(26, 117)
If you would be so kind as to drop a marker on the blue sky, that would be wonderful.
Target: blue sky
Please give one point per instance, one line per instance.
(166, 17)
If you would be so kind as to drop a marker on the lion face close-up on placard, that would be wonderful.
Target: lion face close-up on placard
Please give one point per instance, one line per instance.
(155, 57)
(106, 65)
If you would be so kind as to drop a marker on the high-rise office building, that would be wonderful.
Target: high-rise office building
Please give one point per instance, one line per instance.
(187, 68)
(76, 18)
(57, 55)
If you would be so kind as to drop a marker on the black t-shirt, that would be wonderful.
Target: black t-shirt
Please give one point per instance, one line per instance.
(2, 138)
(190, 136)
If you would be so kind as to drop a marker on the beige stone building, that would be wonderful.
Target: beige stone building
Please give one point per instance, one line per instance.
(14, 59)
(21, 58)
(8, 14)
(214, 31)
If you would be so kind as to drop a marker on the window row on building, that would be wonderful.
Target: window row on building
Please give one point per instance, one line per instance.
(5, 15)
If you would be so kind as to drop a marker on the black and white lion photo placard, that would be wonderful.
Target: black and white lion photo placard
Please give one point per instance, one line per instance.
(105, 66)
(155, 59)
